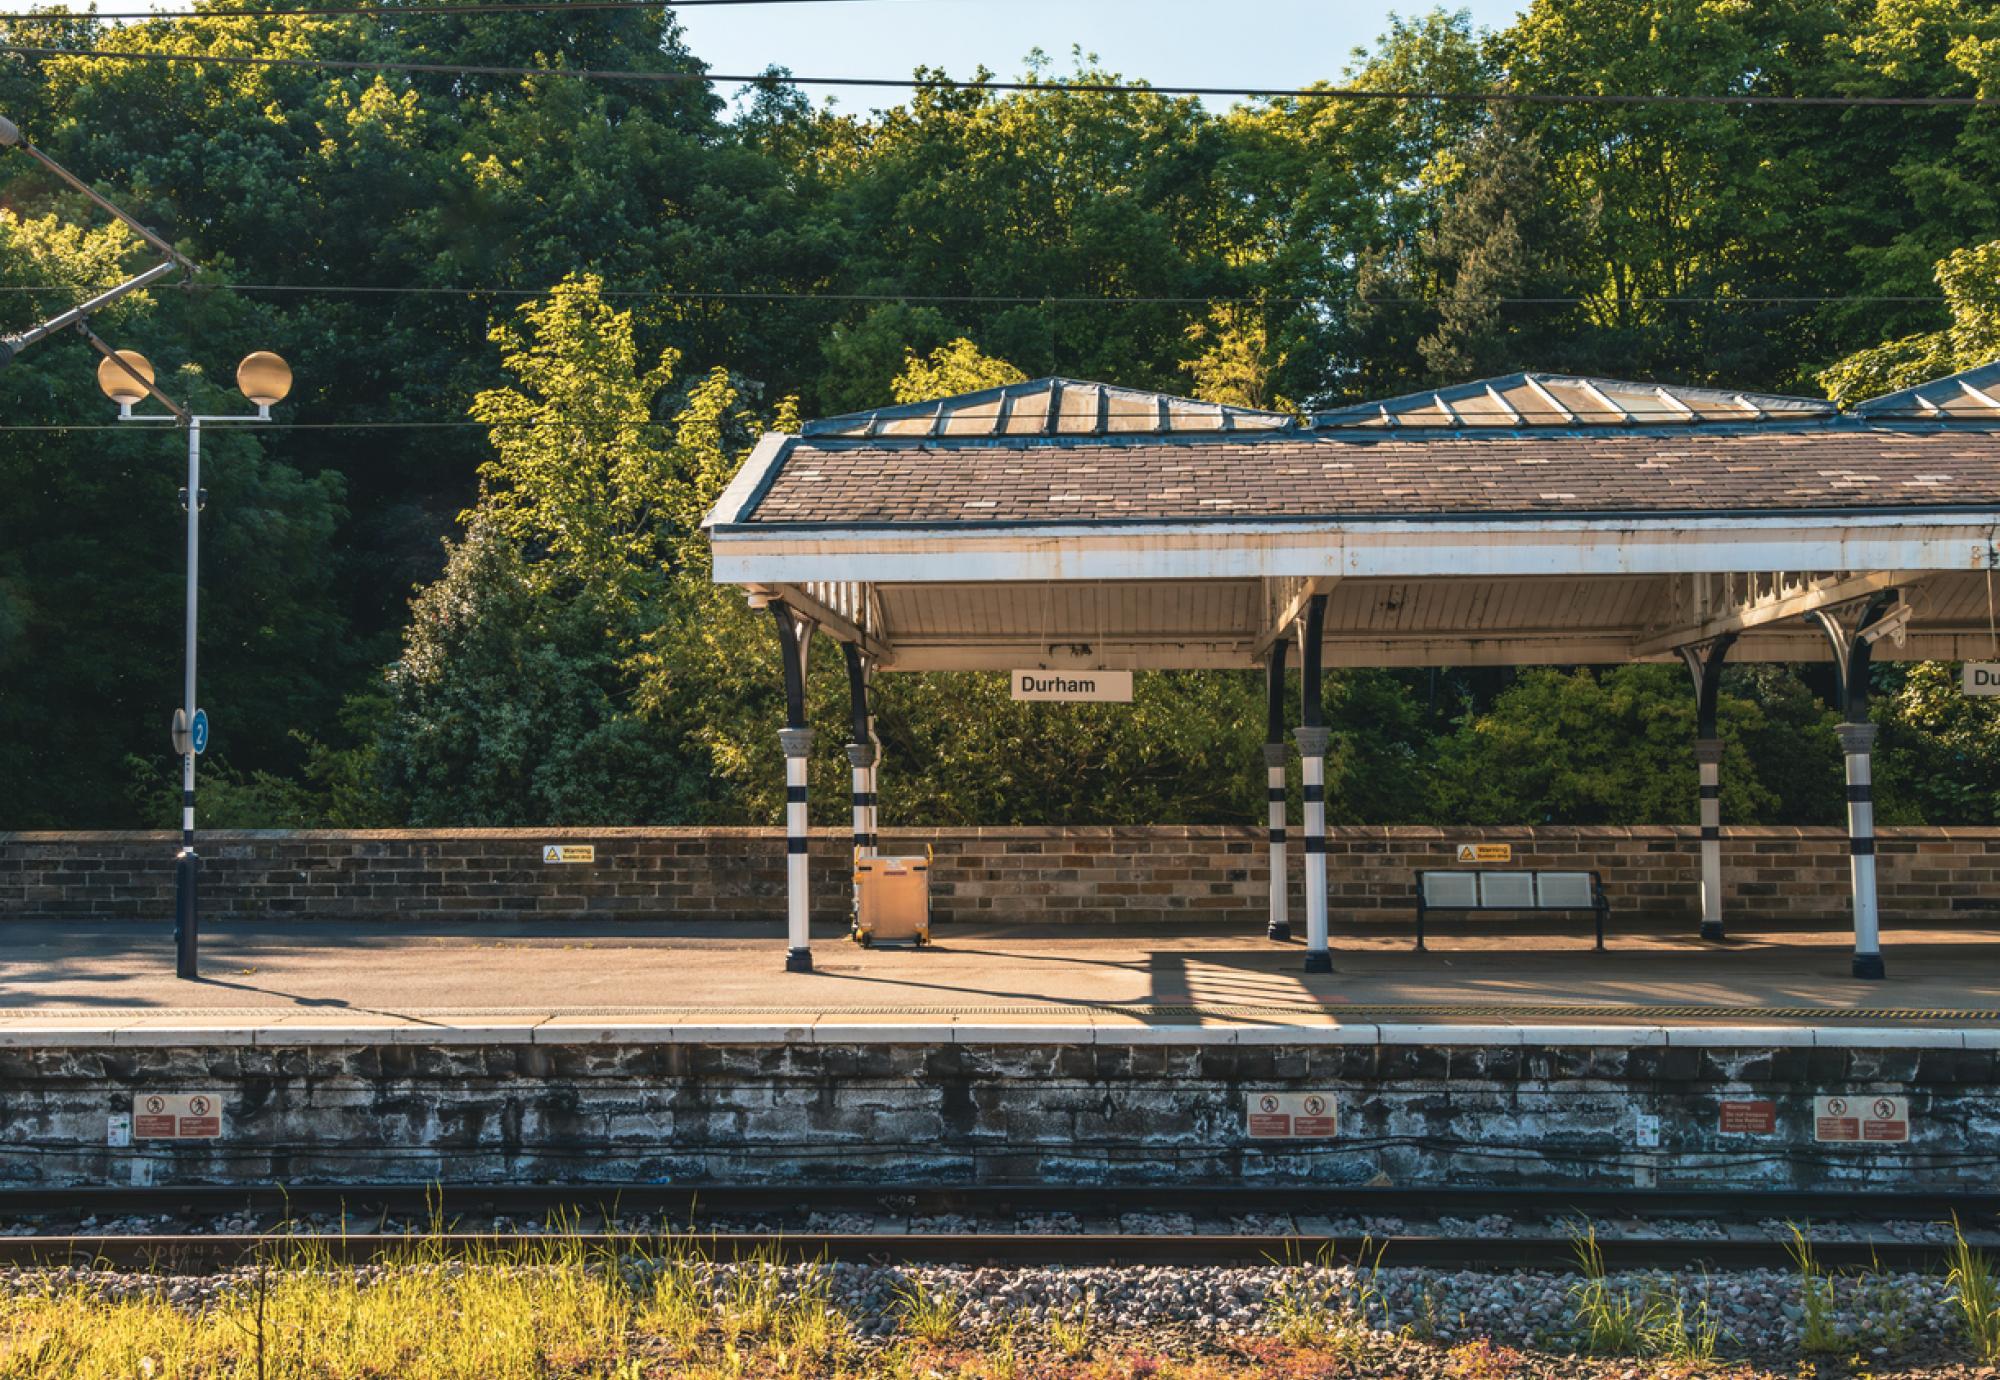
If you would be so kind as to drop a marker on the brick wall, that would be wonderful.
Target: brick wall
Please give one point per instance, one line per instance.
(1212, 873)
(1414, 1111)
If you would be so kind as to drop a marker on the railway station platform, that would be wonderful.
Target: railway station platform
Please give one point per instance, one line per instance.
(78, 975)
(1509, 1055)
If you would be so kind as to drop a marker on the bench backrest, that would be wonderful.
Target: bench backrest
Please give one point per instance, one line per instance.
(1508, 890)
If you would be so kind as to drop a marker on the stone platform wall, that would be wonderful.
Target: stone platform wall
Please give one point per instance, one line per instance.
(1212, 873)
(1412, 1109)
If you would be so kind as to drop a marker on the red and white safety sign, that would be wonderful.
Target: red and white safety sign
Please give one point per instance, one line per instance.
(1289, 1116)
(1863, 1117)
(1756, 1116)
(176, 1116)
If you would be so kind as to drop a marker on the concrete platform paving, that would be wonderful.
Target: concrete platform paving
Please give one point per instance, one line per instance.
(302, 983)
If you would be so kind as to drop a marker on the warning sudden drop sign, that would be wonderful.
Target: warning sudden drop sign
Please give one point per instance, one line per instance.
(1862, 1118)
(1290, 1116)
(176, 1116)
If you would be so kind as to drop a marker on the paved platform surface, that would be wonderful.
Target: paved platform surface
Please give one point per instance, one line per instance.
(690, 981)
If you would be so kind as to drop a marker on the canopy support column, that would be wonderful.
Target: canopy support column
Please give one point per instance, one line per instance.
(1312, 737)
(1704, 663)
(1853, 650)
(794, 634)
(861, 753)
(1276, 759)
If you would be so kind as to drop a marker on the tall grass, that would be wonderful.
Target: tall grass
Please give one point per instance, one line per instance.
(1976, 1293)
(1653, 1321)
(553, 1306)
(1818, 1332)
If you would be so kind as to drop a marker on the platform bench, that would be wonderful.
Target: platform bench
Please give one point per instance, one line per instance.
(1510, 891)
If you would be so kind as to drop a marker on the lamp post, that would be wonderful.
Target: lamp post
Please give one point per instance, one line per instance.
(126, 377)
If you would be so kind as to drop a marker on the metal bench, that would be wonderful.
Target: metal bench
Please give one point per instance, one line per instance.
(1510, 891)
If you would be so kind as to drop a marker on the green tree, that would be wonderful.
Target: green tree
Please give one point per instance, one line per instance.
(954, 367)
(1970, 280)
(92, 555)
(1578, 747)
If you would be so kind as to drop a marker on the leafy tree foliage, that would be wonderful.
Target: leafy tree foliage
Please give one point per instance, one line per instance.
(620, 289)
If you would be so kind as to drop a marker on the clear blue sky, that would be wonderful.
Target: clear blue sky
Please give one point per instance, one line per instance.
(1167, 42)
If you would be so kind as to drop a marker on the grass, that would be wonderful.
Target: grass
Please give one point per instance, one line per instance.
(929, 1315)
(1652, 1322)
(1976, 1295)
(1818, 1334)
(1310, 1307)
(1071, 1332)
(1609, 1319)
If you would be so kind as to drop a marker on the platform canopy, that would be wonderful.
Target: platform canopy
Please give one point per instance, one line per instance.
(1535, 518)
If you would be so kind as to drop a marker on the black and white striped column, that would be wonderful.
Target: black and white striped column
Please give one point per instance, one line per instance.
(1857, 741)
(1852, 631)
(861, 751)
(794, 638)
(1708, 760)
(1276, 759)
(1275, 754)
(874, 791)
(1313, 738)
(861, 757)
(797, 743)
(1312, 743)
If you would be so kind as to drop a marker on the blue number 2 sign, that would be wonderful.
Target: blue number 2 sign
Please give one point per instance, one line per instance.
(198, 731)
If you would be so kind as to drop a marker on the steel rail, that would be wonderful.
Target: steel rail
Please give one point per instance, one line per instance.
(938, 1199)
(198, 1253)
(595, 1205)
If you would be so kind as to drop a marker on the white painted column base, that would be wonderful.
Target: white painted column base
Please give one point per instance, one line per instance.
(1312, 754)
(1708, 759)
(798, 895)
(1857, 741)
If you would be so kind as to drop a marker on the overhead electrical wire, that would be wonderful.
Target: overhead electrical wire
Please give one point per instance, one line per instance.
(995, 299)
(1309, 93)
(398, 11)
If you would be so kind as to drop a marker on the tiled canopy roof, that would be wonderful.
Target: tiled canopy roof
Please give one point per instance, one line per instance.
(1970, 396)
(1341, 474)
(1051, 407)
(1058, 451)
(1521, 401)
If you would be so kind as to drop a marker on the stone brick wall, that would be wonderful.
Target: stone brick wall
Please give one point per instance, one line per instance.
(1209, 873)
(1421, 1112)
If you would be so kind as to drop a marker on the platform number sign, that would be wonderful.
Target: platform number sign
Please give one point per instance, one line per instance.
(190, 735)
(1862, 1118)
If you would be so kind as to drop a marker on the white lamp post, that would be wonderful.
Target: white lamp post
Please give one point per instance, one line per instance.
(126, 377)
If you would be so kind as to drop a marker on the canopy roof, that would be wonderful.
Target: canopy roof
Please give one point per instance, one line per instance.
(1518, 401)
(1534, 517)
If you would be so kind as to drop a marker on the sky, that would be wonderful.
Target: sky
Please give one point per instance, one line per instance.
(1168, 42)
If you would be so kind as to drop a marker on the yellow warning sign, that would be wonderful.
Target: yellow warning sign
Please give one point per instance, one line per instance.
(1486, 852)
(569, 852)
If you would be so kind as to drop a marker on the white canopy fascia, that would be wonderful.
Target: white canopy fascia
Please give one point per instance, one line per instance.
(1907, 540)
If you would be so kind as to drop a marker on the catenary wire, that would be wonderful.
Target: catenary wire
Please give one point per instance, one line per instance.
(1311, 93)
(999, 299)
(401, 11)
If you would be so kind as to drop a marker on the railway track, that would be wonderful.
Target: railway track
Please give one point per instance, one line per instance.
(595, 1218)
(207, 1253)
